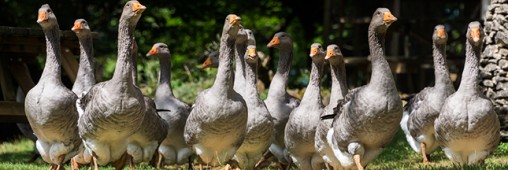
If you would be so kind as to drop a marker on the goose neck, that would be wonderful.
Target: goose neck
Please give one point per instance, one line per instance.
(280, 79)
(470, 75)
(441, 72)
(312, 93)
(124, 65)
(86, 72)
(224, 81)
(52, 70)
(338, 75)
(381, 75)
(165, 76)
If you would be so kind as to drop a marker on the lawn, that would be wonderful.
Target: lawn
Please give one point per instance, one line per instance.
(15, 155)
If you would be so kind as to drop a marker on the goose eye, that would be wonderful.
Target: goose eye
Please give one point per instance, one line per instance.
(48, 10)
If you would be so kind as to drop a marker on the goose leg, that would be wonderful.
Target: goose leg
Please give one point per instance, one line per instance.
(120, 163)
(288, 166)
(60, 167)
(130, 159)
(74, 165)
(159, 161)
(424, 154)
(94, 160)
(264, 158)
(190, 163)
(356, 158)
(52, 167)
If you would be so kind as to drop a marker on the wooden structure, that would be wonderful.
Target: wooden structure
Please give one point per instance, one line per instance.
(20, 47)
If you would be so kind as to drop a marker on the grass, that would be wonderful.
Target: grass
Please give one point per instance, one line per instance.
(397, 156)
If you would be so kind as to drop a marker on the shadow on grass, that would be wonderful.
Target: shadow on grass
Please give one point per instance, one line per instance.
(19, 157)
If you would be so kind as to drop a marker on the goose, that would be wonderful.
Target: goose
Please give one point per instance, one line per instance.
(212, 60)
(303, 120)
(338, 92)
(259, 122)
(278, 102)
(240, 49)
(53, 118)
(216, 125)
(468, 127)
(144, 143)
(85, 78)
(113, 110)
(367, 121)
(422, 110)
(173, 148)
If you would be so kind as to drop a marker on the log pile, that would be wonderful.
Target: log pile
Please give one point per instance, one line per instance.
(494, 61)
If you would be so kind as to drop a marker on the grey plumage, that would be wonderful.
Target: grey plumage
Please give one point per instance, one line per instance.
(278, 102)
(152, 131)
(338, 92)
(468, 127)
(216, 125)
(114, 109)
(367, 122)
(259, 123)
(301, 126)
(422, 110)
(175, 112)
(53, 118)
(85, 78)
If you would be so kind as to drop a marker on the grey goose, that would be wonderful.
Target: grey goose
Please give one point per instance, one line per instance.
(303, 120)
(113, 110)
(53, 118)
(173, 148)
(216, 125)
(468, 127)
(422, 110)
(338, 92)
(367, 120)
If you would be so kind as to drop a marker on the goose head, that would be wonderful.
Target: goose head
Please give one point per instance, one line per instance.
(160, 50)
(241, 36)
(280, 39)
(251, 56)
(251, 40)
(232, 25)
(132, 11)
(212, 60)
(382, 19)
(317, 53)
(46, 18)
(439, 36)
(475, 33)
(333, 53)
(81, 27)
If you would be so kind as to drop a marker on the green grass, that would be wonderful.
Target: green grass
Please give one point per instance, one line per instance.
(397, 156)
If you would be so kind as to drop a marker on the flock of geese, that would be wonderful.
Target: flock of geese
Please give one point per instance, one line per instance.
(113, 122)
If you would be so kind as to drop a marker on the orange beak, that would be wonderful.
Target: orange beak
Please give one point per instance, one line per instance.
(137, 8)
(251, 52)
(152, 51)
(43, 16)
(207, 63)
(475, 34)
(313, 52)
(274, 41)
(234, 20)
(388, 18)
(76, 27)
(441, 33)
(329, 54)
